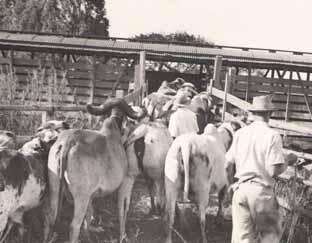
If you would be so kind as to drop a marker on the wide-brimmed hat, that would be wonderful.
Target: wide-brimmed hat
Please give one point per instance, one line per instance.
(262, 103)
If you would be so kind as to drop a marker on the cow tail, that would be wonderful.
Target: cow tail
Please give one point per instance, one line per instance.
(64, 150)
(185, 150)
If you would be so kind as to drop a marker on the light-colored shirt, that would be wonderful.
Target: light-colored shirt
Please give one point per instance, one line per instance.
(182, 121)
(254, 148)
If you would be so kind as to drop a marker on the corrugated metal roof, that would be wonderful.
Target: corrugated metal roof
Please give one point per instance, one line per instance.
(57, 43)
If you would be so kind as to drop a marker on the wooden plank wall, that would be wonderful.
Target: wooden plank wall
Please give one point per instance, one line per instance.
(85, 81)
(246, 87)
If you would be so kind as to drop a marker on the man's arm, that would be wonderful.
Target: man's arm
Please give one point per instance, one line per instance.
(230, 162)
(277, 162)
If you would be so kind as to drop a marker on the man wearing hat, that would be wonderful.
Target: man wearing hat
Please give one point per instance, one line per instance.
(183, 120)
(257, 154)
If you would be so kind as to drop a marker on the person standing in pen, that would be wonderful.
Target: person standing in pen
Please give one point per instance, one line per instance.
(258, 157)
(183, 120)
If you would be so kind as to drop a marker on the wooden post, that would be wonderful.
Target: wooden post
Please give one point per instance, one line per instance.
(48, 115)
(272, 76)
(142, 74)
(287, 103)
(248, 84)
(92, 81)
(92, 88)
(216, 73)
(139, 73)
(228, 80)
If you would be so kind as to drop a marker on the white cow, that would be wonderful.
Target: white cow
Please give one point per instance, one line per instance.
(201, 158)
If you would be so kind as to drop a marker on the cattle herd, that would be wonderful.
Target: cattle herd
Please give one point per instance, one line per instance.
(133, 141)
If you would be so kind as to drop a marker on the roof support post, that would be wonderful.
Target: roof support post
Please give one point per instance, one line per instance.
(230, 77)
(139, 74)
(216, 73)
(248, 84)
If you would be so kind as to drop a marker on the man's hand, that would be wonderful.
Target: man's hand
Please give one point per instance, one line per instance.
(291, 159)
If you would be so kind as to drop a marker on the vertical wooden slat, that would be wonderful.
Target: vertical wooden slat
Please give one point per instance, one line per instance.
(230, 76)
(92, 81)
(216, 73)
(287, 103)
(272, 76)
(139, 75)
(92, 88)
(248, 84)
(306, 98)
(142, 75)
(49, 115)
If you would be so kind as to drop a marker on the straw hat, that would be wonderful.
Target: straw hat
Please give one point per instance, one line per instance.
(262, 104)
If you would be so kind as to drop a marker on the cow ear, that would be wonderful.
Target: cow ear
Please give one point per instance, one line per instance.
(65, 125)
(10, 134)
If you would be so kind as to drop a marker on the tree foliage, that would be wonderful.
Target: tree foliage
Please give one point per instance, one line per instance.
(181, 37)
(78, 17)
(176, 37)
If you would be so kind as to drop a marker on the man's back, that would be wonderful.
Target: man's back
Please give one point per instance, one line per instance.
(254, 148)
(182, 121)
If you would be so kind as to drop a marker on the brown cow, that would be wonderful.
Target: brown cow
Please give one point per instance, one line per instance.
(90, 162)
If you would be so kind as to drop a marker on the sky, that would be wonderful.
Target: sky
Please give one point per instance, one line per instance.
(276, 24)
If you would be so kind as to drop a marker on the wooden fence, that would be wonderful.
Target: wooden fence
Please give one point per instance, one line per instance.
(292, 96)
(87, 81)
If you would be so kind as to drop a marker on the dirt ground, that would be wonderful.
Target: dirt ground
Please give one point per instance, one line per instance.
(141, 226)
(145, 228)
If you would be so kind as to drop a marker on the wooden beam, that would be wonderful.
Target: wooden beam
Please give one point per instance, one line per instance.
(139, 75)
(248, 84)
(41, 108)
(287, 103)
(266, 73)
(272, 76)
(216, 73)
(299, 154)
(92, 81)
(245, 106)
(230, 76)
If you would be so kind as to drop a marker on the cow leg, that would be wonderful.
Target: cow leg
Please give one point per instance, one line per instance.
(221, 196)
(124, 197)
(7, 230)
(81, 203)
(172, 190)
(88, 220)
(160, 196)
(151, 191)
(203, 204)
(51, 206)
